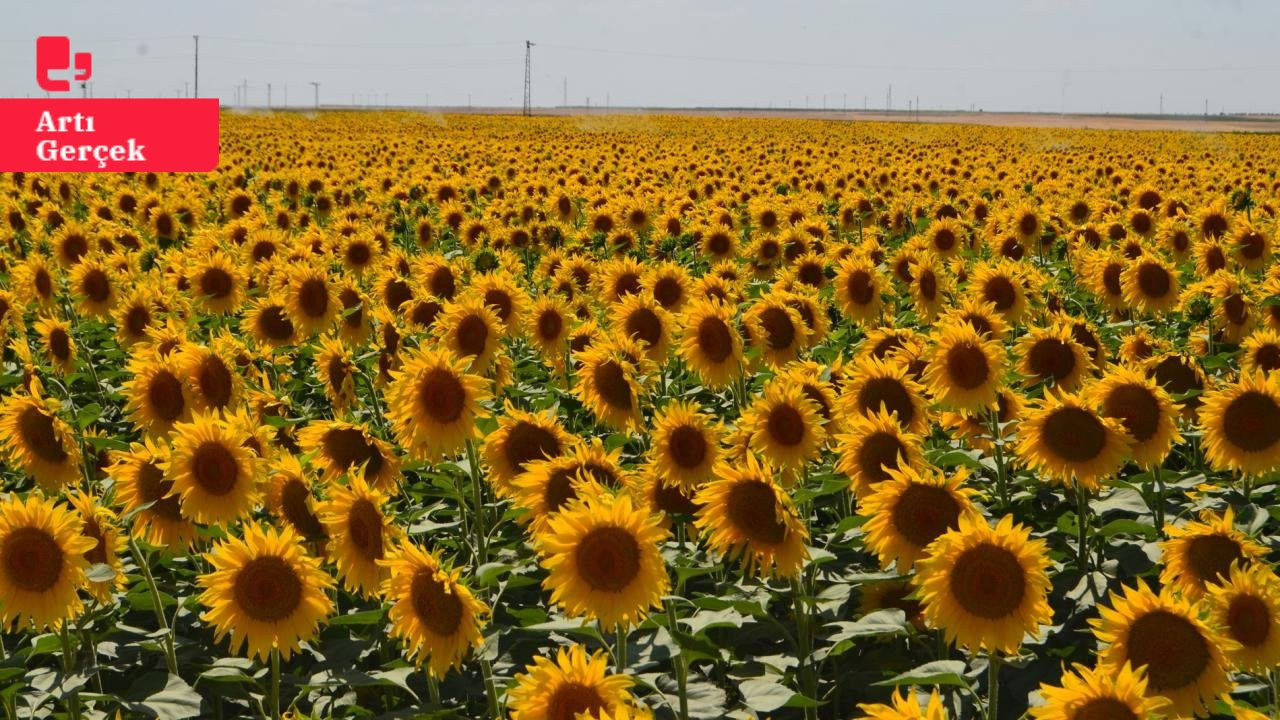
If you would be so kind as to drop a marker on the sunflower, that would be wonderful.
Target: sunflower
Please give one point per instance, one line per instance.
(145, 493)
(35, 279)
(747, 517)
(42, 562)
(214, 474)
(291, 499)
(1066, 439)
(434, 402)
(268, 322)
(608, 385)
(1099, 694)
(710, 342)
(964, 368)
(432, 613)
(521, 439)
(1142, 407)
(359, 532)
(877, 385)
(311, 300)
(568, 686)
(213, 377)
(910, 510)
(265, 592)
(471, 330)
(337, 369)
(985, 587)
(1246, 608)
(57, 343)
(905, 708)
(549, 486)
(1164, 635)
(778, 329)
(929, 286)
(858, 286)
(100, 524)
(1201, 553)
(500, 292)
(1001, 285)
(1260, 352)
(35, 439)
(94, 285)
(871, 446)
(340, 447)
(549, 323)
(1241, 425)
(619, 278)
(1050, 354)
(684, 446)
(604, 560)
(1150, 285)
(1140, 345)
(785, 426)
(1179, 374)
(217, 283)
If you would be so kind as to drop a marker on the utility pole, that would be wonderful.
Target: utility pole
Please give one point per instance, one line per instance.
(197, 78)
(244, 94)
(316, 86)
(528, 77)
(186, 89)
(844, 102)
(917, 107)
(268, 96)
(566, 91)
(888, 100)
(286, 94)
(1161, 103)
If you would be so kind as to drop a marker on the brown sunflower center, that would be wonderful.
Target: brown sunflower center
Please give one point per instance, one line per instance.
(216, 283)
(786, 425)
(137, 319)
(1136, 408)
(988, 581)
(752, 507)
(436, 605)
(442, 396)
(93, 530)
(927, 283)
(1251, 421)
(572, 700)
(1104, 708)
(500, 301)
(778, 327)
(644, 323)
(687, 446)
(32, 559)
(313, 297)
(39, 435)
(154, 488)
(611, 383)
(359, 254)
(1000, 292)
(1210, 556)
(887, 394)
(364, 527)
(348, 447)
(608, 559)
(1249, 620)
(668, 291)
(924, 512)
(1170, 647)
(672, 499)
(215, 381)
(528, 442)
(878, 451)
(1051, 358)
(60, 344)
(1111, 279)
(1074, 434)
(214, 468)
(860, 289)
(275, 324)
(550, 325)
(293, 505)
(1154, 280)
(715, 339)
(96, 286)
(472, 335)
(268, 589)
(967, 366)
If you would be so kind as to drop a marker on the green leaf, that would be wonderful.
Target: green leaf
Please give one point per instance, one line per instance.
(767, 695)
(938, 672)
(176, 700)
(101, 572)
(364, 617)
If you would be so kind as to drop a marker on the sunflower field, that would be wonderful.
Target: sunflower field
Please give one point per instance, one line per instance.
(398, 415)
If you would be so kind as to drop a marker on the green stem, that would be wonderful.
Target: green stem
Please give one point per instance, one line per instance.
(275, 683)
(620, 649)
(171, 658)
(1002, 484)
(993, 686)
(490, 688)
(479, 526)
(808, 683)
(1158, 509)
(682, 670)
(68, 664)
(433, 688)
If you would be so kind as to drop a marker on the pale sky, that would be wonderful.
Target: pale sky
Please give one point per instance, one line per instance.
(1012, 55)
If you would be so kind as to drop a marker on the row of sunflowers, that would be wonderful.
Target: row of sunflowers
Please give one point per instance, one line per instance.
(401, 415)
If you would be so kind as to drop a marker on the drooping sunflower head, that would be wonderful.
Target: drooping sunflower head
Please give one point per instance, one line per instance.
(337, 370)
(1241, 425)
(100, 524)
(965, 369)
(985, 587)
(341, 447)
(567, 686)
(1065, 438)
(749, 518)
(433, 613)
(265, 592)
(1163, 635)
(1200, 554)
(604, 560)
(434, 401)
(290, 497)
(1096, 694)
(42, 562)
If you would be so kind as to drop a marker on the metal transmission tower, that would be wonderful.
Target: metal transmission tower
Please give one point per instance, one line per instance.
(528, 83)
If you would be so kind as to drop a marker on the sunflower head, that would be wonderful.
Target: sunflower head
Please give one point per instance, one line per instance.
(43, 558)
(747, 516)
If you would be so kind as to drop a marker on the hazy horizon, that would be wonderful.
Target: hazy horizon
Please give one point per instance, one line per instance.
(1076, 56)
